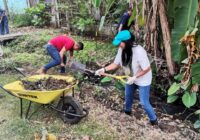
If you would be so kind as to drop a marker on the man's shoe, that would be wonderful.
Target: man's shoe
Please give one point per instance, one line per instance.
(41, 71)
(62, 69)
(155, 122)
(128, 113)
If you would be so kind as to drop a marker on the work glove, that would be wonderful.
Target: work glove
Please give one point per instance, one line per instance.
(131, 80)
(99, 71)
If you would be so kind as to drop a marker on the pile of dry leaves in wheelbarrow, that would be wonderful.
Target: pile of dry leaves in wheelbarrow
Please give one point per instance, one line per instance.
(49, 83)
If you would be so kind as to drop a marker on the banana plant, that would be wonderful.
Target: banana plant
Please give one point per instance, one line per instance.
(108, 6)
(96, 3)
(183, 14)
(189, 77)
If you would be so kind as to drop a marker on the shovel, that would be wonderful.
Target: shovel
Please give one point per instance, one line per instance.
(90, 74)
(81, 68)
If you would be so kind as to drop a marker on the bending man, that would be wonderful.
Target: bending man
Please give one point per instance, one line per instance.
(56, 48)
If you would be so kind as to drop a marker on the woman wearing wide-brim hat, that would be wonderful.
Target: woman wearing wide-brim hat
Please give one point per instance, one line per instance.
(134, 60)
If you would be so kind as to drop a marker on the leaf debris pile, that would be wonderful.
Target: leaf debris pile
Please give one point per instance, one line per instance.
(45, 84)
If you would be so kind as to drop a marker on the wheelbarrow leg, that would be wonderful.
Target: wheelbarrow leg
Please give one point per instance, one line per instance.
(73, 92)
(27, 112)
(21, 107)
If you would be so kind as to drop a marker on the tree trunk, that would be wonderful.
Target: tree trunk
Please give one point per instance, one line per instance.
(137, 15)
(54, 10)
(33, 3)
(67, 20)
(166, 36)
(57, 14)
(27, 3)
(131, 4)
(148, 12)
(154, 29)
(6, 6)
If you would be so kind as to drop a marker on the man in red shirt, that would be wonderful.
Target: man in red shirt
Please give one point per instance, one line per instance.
(56, 48)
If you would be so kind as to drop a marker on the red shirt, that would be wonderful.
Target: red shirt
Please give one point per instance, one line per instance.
(62, 41)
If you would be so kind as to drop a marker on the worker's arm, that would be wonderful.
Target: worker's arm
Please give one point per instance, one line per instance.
(112, 66)
(116, 63)
(120, 27)
(138, 74)
(71, 58)
(144, 65)
(62, 52)
(71, 55)
(143, 72)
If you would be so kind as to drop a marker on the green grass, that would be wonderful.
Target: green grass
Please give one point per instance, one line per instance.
(92, 52)
(94, 130)
(28, 59)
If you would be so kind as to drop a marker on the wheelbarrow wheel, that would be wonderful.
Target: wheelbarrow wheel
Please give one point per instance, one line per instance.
(70, 105)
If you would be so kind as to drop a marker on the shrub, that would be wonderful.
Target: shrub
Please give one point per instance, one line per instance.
(40, 15)
(20, 20)
(82, 23)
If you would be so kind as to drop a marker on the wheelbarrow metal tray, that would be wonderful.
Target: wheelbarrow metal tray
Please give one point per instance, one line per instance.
(44, 97)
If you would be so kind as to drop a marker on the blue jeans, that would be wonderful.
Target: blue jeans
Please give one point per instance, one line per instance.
(54, 53)
(4, 29)
(144, 92)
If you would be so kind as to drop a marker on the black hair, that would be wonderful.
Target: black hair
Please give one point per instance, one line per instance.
(81, 45)
(127, 51)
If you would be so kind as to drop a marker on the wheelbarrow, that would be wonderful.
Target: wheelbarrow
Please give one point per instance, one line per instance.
(68, 108)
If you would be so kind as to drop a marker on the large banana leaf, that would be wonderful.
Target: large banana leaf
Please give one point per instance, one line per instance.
(196, 69)
(196, 73)
(184, 17)
(109, 5)
(170, 8)
(96, 3)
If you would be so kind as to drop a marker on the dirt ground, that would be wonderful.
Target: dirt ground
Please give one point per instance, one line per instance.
(137, 125)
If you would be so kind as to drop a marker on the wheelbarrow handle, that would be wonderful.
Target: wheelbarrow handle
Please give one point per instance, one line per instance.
(19, 71)
(6, 90)
(2, 87)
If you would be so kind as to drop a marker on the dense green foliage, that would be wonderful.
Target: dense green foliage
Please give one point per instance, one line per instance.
(21, 20)
(185, 48)
(39, 16)
(182, 15)
(87, 14)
